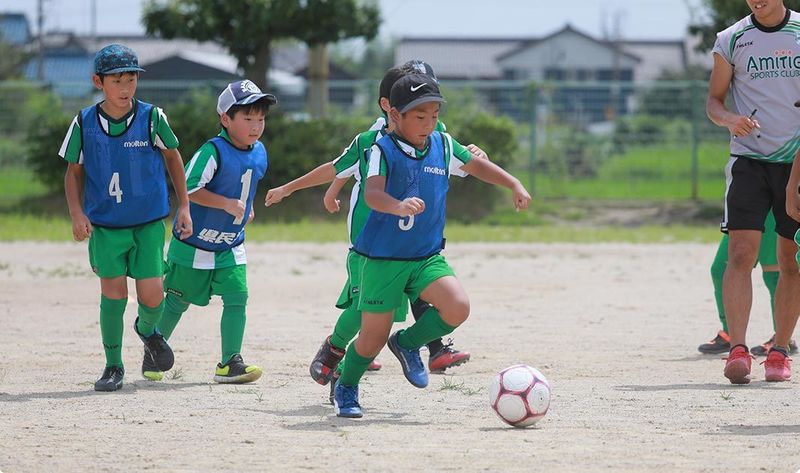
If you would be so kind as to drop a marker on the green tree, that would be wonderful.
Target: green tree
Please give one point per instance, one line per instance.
(247, 28)
(722, 14)
(12, 59)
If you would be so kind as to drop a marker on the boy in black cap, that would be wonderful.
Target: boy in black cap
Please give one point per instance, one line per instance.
(406, 188)
(116, 152)
(221, 178)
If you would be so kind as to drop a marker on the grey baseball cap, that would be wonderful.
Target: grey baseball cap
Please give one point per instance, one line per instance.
(241, 92)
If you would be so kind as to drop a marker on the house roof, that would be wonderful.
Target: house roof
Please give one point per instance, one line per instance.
(457, 58)
(566, 29)
(14, 28)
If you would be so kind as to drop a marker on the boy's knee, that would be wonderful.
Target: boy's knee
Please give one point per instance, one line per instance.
(458, 312)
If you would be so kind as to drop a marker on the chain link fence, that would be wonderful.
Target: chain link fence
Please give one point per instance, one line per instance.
(577, 140)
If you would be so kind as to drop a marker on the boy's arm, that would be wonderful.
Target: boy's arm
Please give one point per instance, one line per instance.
(718, 85)
(322, 174)
(73, 186)
(377, 199)
(792, 193)
(174, 164)
(487, 171)
(330, 200)
(206, 198)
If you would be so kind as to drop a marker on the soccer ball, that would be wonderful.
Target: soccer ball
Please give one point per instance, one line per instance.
(520, 395)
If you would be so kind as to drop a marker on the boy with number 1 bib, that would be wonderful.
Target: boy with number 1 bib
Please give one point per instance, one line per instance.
(221, 178)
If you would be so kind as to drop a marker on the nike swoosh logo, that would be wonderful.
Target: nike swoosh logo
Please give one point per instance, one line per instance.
(414, 89)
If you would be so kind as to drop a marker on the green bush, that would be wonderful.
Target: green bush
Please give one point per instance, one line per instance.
(44, 138)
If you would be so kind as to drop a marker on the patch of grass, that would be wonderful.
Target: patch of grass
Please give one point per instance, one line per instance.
(726, 395)
(17, 183)
(30, 228)
(174, 374)
(449, 385)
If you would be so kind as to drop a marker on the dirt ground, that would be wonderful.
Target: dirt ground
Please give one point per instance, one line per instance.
(613, 327)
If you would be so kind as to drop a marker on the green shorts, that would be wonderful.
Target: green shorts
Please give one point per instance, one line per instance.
(351, 287)
(136, 252)
(196, 286)
(385, 282)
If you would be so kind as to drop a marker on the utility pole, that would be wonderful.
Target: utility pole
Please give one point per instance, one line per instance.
(93, 31)
(40, 41)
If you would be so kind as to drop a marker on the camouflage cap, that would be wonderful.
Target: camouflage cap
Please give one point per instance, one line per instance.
(116, 58)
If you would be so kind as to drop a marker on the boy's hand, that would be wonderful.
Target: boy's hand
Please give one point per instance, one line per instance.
(235, 207)
(81, 227)
(276, 195)
(331, 203)
(410, 206)
(183, 224)
(477, 152)
(252, 215)
(521, 197)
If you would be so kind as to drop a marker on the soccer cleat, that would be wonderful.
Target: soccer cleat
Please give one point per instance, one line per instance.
(737, 366)
(158, 349)
(334, 380)
(345, 401)
(413, 369)
(763, 349)
(325, 361)
(374, 365)
(446, 358)
(149, 369)
(777, 366)
(235, 371)
(719, 344)
(111, 379)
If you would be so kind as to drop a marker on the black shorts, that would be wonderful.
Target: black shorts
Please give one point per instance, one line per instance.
(753, 188)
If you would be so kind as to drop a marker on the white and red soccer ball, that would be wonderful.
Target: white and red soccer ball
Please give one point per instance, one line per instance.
(520, 395)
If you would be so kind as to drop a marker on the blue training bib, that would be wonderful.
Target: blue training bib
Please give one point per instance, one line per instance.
(387, 236)
(125, 182)
(237, 176)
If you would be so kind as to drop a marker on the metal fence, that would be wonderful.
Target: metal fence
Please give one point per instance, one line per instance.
(582, 140)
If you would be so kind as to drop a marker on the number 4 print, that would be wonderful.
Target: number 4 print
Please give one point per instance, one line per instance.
(114, 189)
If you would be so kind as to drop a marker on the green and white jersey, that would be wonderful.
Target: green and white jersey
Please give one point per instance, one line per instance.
(199, 171)
(160, 132)
(353, 162)
(766, 78)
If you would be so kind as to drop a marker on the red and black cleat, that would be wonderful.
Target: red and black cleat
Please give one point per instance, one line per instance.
(446, 358)
(325, 362)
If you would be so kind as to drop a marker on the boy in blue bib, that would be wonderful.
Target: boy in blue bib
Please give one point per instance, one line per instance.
(116, 152)
(406, 188)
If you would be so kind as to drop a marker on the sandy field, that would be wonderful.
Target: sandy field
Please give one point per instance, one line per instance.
(614, 328)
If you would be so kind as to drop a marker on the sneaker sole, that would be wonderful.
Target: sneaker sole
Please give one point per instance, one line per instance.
(153, 375)
(321, 377)
(714, 351)
(375, 369)
(737, 373)
(451, 365)
(241, 379)
(777, 379)
(107, 388)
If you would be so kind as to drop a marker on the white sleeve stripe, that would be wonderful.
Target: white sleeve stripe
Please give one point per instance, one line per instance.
(80, 158)
(351, 171)
(159, 143)
(208, 173)
(374, 161)
(63, 150)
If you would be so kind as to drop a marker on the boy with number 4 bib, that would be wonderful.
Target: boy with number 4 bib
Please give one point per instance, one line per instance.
(116, 151)
(406, 188)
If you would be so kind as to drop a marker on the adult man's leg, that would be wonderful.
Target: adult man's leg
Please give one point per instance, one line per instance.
(737, 294)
